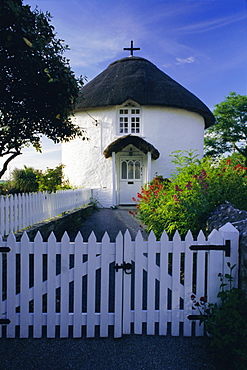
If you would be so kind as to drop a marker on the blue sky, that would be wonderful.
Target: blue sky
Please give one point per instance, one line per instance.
(199, 43)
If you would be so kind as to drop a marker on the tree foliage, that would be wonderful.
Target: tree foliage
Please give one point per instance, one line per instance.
(38, 90)
(52, 179)
(229, 134)
(24, 180)
(28, 179)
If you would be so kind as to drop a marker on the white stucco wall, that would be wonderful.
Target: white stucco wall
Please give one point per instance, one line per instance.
(167, 129)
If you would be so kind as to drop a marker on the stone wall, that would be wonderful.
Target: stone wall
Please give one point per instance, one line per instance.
(227, 213)
(69, 222)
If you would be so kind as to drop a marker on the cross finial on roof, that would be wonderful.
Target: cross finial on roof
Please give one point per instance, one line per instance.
(131, 48)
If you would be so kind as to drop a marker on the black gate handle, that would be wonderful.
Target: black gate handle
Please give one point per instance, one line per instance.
(127, 267)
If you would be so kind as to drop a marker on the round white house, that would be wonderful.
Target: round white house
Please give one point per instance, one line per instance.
(135, 116)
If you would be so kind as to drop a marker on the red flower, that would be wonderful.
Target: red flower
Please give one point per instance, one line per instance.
(189, 185)
(134, 199)
(177, 188)
(228, 162)
(203, 300)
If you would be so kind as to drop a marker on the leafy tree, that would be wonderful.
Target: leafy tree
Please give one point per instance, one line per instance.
(229, 134)
(38, 90)
(24, 180)
(52, 179)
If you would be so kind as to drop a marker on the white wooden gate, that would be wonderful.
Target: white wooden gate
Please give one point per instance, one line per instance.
(81, 289)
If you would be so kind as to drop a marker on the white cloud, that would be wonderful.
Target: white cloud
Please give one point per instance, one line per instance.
(211, 24)
(185, 61)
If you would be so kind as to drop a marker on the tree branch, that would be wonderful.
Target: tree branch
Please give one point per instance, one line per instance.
(5, 165)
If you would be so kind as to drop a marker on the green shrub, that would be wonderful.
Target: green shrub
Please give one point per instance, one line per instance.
(24, 180)
(226, 323)
(186, 201)
(52, 180)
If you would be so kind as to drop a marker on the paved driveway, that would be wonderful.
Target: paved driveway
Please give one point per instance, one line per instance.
(112, 221)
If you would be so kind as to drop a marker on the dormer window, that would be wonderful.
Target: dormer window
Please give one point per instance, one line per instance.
(129, 120)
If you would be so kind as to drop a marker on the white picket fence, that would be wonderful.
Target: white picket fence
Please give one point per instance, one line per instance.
(78, 286)
(22, 210)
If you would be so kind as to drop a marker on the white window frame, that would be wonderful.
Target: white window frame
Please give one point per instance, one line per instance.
(129, 119)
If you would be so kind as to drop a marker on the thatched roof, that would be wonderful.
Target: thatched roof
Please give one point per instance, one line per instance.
(141, 144)
(138, 79)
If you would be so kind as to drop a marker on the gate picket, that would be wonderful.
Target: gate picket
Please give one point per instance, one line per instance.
(151, 284)
(127, 284)
(200, 277)
(118, 317)
(79, 272)
(188, 289)
(11, 286)
(91, 285)
(24, 286)
(163, 302)
(104, 293)
(51, 286)
(138, 304)
(175, 306)
(64, 296)
(38, 282)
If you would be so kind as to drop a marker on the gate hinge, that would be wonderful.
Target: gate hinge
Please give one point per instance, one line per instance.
(4, 321)
(226, 248)
(4, 249)
(127, 267)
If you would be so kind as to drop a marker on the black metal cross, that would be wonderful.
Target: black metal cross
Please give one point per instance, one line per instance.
(131, 48)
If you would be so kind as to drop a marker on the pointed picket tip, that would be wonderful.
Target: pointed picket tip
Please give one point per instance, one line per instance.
(139, 235)
(215, 237)
(151, 237)
(79, 238)
(106, 237)
(228, 227)
(164, 236)
(177, 236)
(119, 237)
(52, 237)
(65, 237)
(11, 237)
(189, 236)
(201, 237)
(25, 238)
(38, 237)
(92, 237)
(127, 236)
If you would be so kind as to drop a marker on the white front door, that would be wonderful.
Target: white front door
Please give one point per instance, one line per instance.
(130, 179)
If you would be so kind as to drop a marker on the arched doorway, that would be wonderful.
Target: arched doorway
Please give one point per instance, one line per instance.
(131, 166)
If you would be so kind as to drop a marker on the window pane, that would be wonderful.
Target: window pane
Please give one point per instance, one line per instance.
(130, 170)
(137, 170)
(124, 170)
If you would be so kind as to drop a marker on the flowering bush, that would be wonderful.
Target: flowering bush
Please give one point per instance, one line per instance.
(185, 201)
